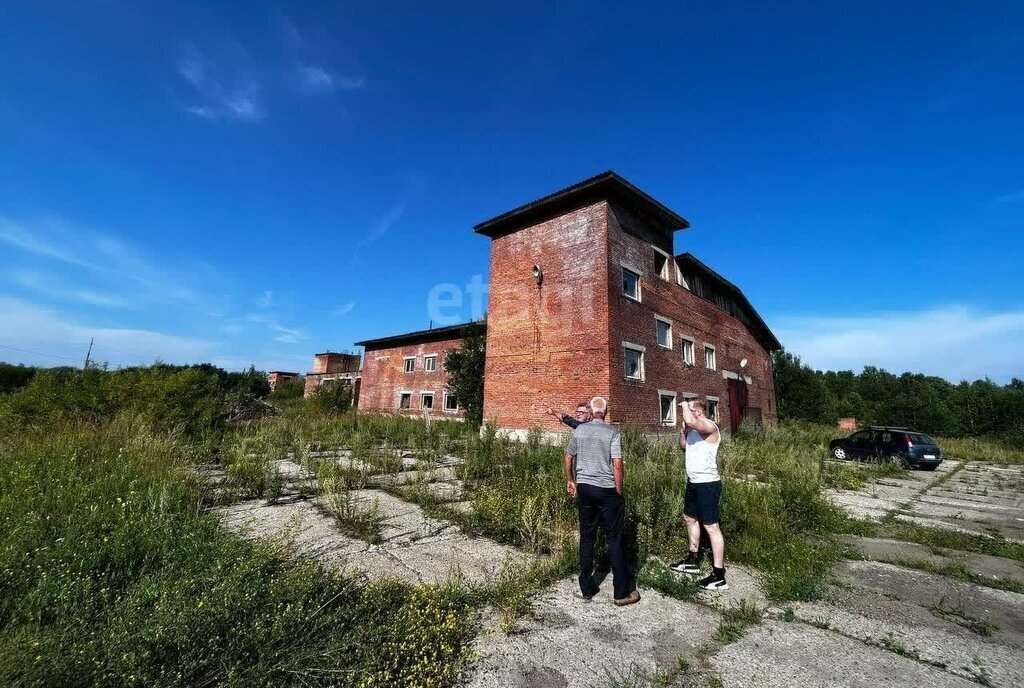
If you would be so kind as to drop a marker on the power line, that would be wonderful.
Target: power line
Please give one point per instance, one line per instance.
(37, 353)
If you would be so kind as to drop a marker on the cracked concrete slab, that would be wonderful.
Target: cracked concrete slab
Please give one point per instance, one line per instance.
(777, 654)
(410, 477)
(576, 644)
(414, 547)
(897, 551)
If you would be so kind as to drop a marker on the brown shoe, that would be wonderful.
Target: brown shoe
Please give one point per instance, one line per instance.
(631, 598)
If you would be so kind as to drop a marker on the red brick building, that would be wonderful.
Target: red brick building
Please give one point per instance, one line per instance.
(405, 373)
(331, 368)
(276, 377)
(587, 297)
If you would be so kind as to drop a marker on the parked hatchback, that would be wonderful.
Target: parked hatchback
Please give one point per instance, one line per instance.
(910, 448)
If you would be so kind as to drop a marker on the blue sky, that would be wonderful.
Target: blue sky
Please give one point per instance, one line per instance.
(254, 182)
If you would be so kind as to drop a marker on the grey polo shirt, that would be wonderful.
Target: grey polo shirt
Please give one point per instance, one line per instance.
(594, 445)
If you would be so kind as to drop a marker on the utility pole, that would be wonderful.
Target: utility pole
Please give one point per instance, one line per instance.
(88, 354)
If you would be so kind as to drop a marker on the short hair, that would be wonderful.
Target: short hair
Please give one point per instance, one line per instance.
(584, 403)
(598, 405)
(699, 404)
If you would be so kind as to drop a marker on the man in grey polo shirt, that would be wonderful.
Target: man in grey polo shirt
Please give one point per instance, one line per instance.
(594, 476)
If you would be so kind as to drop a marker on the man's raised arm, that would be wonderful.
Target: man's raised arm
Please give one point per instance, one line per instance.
(701, 425)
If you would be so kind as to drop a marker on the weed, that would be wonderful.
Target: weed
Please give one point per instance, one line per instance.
(655, 574)
(789, 614)
(961, 617)
(735, 619)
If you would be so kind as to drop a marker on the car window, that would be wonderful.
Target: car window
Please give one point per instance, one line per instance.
(861, 436)
(919, 438)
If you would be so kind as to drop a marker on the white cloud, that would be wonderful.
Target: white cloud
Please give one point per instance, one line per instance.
(38, 331)
(285, 335)
(343, 309)
(316, 79)
(53, 286)
(212, 96)
(128, 276)
(955, 342)
(265, 299)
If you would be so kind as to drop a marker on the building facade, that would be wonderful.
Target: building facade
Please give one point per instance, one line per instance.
(588, 298)
(406, 374)
(332, 368)
(276, 377)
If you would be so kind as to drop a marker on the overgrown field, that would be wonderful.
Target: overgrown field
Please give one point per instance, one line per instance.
(112, 571)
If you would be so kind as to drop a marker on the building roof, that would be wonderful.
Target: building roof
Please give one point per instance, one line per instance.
(607, 186)
(281, 372)
(757, 323)
(336, 353)
(434, 334)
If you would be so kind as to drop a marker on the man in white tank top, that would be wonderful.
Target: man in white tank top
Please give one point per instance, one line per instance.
(700, 439)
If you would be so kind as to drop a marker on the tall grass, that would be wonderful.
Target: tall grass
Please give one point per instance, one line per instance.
(111, 573)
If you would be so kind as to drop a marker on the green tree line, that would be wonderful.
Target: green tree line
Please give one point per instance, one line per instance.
(877, 397)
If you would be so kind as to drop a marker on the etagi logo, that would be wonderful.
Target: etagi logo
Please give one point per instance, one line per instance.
(447, 302)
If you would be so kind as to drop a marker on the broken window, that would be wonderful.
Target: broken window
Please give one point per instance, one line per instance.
(410, 364)
(451, 403)
(430, 363)
(427, 401)
(668, 408)
(662, 265)
(687, 347)
(630, 284)
(405, 401)
(712, 408)
(634, 361)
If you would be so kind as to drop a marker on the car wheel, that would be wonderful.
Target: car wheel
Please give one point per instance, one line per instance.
(901, 462)
(839, 453)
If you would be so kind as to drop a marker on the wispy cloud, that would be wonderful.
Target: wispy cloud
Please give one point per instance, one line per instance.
(215, 95)
(118, 264)
(265, 300)
(956, 342)
(45, 337)
(54, 287)
(21, 237)
(343, 309)
(316, 79)
(285, 335)
(1010, 197)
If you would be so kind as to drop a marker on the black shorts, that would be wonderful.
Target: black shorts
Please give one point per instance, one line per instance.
(701, 501)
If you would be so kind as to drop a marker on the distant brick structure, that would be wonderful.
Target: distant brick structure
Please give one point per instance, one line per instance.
(847, 424)
(334, 368)
(588, 298)
(405, 373)
(276, 377)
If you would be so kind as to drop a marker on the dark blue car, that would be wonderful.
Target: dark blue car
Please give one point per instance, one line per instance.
(878, 443)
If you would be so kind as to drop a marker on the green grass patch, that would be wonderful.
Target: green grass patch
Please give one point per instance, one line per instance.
(111, 573)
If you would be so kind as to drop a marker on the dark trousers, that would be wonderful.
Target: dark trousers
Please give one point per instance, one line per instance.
(602, 505)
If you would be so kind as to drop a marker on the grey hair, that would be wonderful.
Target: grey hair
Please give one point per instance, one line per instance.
(598, 405)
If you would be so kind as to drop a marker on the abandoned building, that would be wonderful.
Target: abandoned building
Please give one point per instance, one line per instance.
(276, 377)
(330, 368)
(408, 372)
(587, 297)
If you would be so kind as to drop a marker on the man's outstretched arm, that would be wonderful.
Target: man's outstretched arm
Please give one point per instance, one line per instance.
(563, 417)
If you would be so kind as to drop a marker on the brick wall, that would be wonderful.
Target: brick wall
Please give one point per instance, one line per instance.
(547, 344)
(276, 378)
(562, 342)
(335, 363)
(384, 378)
(691, 316)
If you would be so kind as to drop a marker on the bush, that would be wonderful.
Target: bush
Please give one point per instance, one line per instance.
(332, 398)
(294, 388)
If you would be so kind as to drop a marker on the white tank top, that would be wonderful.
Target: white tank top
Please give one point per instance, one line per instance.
(701, 458)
